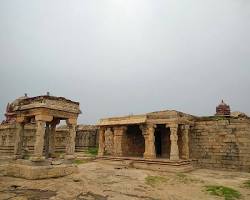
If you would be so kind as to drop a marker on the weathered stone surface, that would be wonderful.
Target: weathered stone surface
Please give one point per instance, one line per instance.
(86, 137)
(39, 172)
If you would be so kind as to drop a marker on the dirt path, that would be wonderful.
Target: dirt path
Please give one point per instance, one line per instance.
(101, 181)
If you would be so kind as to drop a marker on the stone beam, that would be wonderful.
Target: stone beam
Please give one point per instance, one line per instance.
(45, 118)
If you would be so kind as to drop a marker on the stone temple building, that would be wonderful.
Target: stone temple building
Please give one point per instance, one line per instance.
(86, 135)
(171, 140)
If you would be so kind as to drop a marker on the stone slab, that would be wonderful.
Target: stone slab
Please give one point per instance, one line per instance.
(39, 172)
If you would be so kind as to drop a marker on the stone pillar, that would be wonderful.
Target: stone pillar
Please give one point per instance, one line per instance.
(119, 134)
(149, 137)
(1, 139)
(174, 150)
(185, 140)
(52, 138)
(70, 145)
(7, 141)
(19, 141)
(39, 141)
(101, 142)
(46, 140)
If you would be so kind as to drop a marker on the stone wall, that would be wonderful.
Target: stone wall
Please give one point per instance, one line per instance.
(221, 143)
(134, 142)
(86, 137)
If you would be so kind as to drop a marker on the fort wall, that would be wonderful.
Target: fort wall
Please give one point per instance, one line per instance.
(221, 143)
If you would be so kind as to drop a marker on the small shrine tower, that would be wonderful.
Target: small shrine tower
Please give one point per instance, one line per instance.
(223, 109)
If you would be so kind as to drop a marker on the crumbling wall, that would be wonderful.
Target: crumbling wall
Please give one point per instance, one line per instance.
(221, 143)
(86, 136)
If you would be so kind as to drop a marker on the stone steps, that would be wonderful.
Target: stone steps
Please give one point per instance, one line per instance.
(151, 164)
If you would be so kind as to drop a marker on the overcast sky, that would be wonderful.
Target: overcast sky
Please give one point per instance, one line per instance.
(118, 57)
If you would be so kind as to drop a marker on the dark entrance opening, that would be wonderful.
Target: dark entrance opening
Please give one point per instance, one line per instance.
(158, 143)
(162, 141)
(135, 144)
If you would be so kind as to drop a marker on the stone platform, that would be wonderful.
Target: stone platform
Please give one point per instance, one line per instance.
(158, 164)
(38, 170)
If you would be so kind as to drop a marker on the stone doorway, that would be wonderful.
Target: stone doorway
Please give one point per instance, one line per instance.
(135, 143)
(162, 141)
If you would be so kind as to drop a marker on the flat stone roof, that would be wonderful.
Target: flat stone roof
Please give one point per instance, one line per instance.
(50, 102)
(131, 119)
(144, 118)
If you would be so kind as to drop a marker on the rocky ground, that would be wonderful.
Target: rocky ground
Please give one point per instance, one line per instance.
(100, 181)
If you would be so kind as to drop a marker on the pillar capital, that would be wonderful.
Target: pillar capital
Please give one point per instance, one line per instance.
(151, 126)
(21, 119)
(172, 126)
(185, 127)
(71, 121)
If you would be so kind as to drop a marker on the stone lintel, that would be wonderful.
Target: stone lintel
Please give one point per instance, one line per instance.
(133, 119)
(46, 111)
(45, 118)
(172, 126)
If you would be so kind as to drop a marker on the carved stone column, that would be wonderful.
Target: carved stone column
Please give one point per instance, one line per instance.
(185, 140)
(70, 145)
(19, 141)
(46, 140)
(149, 137)
(109, 141)
(39, 143)
(174, 150)
(101, 142)
(1, 139)
(119, 134)
(52, 138)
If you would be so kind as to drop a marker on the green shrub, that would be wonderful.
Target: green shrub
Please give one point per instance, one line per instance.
(221, 191)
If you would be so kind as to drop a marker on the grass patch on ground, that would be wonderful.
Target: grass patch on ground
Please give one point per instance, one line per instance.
(247, 184)
(155, 180)
(93, 151)
(221, 191)
(79, 162)
(183, 178)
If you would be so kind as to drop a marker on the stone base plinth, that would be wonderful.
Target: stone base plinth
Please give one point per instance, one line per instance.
(69, 157)
(164, 165)
(33, 170)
